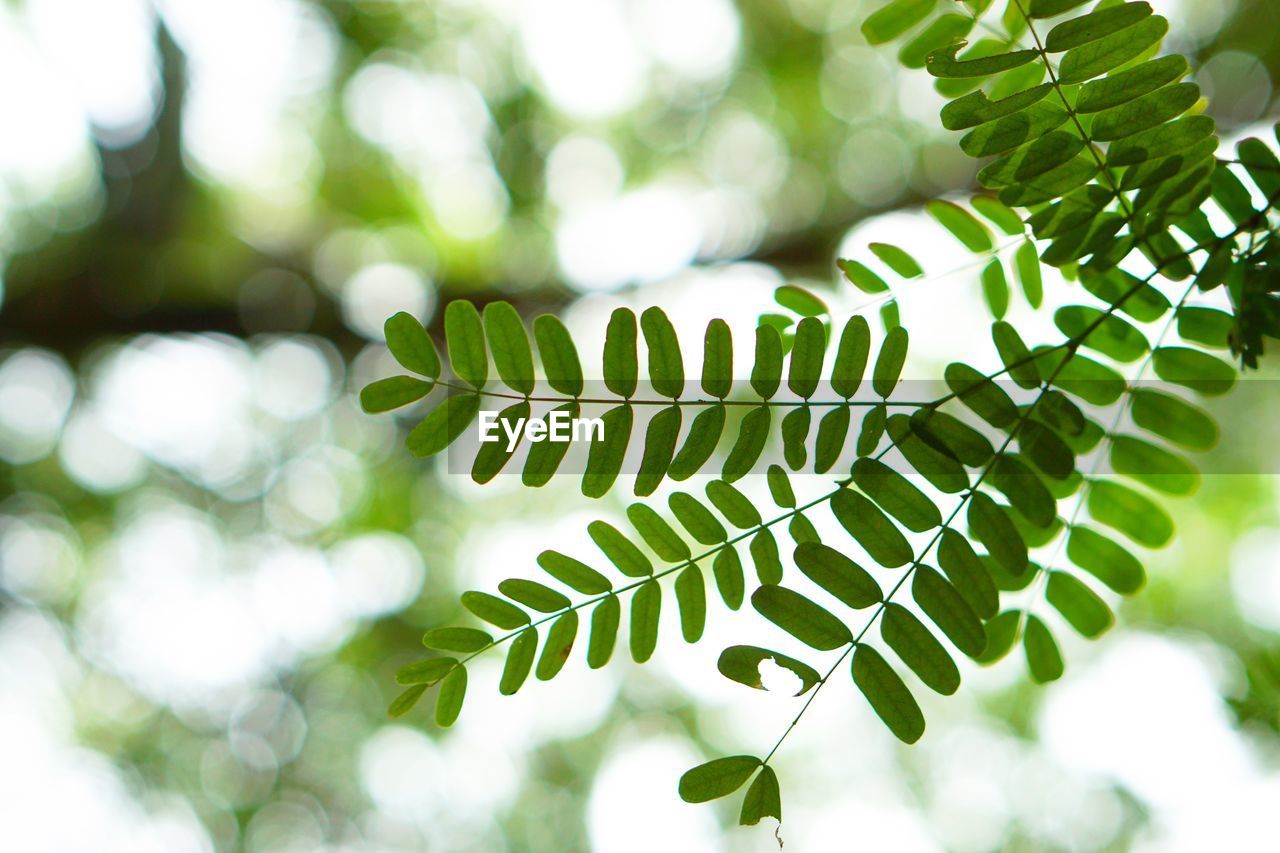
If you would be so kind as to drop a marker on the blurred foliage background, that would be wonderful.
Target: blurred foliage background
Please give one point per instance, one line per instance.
(211, 563)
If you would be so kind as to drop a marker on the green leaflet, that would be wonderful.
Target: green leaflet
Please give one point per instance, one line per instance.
(1089, 28)
(1132, 513)
(691, 600)
(1207, 327)
(801, 618)
(619, 550)
(1079, 605)
(800, 301)
(1261, 164)
(1160, 141)
(873, 531)
(1122, 88)
(982, 396)
(919, 649)
(941, 31)
(1130, 294)
(936, 465)
(558, 354)
(1072, 212)
(733, 505)
(666, 365)
(766, 374)
(977, 108)
(555, 652)
(463, 640)
(889, 697)
(861, 277)
(746, 451)
(443, 425)
(795, 435)
(851, 357)
(699, 444)
(1043, 658)
(1173, 418)
(519, 662)
(573, 573)
(392, 393)
(493, 456)
(1030, 161)
(1051, 8)
(1047, 450)
(989, 524)
(646, 605)
(1106, 560)
(604, 631)
(1024, 490)
(1156, 173)
(896, 495)
(943, 62)
(604, 459)
(659, 448)
(1096, 238)
(545, 456)
(1081, 376)
(464, 334)
(1027, 265)
(495, 611)
(1005, 134)
(1110, 52)
(621, 367)
(1233, 196)
(764, 554)
(837, 574)
(1106, 333)
(780, 487)
(833, 430)
(727, 570)
(763, 799)
(893, 20)
(717, 360)
(741, 664)
(1004, 218)
(897, 260)
(404, 703)
(1216, 270)
(806, 357)
(426, 672)
(1051, 185)
(1193, 369)
(952, 437)
(949, 611)
(411, 345)
(1060, 413)
(1153, 466)
(967, 573)
(697, 519)
(512, 357)
(657, 534)
(995, 289)
(718, 778)
(1161, 106)
(873, 426)
(533, 594)
(1002, 633)
(888, 367)
(963, 225)
(801, 530)
(1015, 356)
